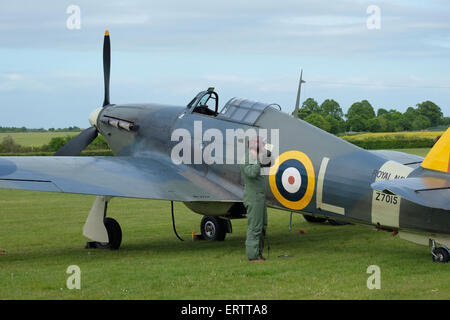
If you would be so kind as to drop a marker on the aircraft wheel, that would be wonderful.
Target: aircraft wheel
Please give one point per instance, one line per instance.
(312, 219)
(213, 228)
(441, 255)
(114, 233)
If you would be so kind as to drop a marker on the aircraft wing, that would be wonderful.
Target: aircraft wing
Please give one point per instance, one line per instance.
(152, 177)
(426, 191)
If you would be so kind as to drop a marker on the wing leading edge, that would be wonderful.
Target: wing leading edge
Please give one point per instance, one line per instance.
(150, 177)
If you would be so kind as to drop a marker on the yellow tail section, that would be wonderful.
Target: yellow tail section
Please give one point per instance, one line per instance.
(439, 156)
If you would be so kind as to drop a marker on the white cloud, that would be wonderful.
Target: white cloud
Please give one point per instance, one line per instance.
(324, 20)
(116, 19)
(13, 76)
(20, 81)
(248, 49)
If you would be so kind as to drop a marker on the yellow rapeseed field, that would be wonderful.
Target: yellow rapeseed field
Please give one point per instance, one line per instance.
(394, 140)
(409, 134)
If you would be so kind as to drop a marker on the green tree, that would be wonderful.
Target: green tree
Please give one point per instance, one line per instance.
(420, 122)
(356, 123)
(430, 110)
(319, 121)
(332, 108)
(374, 125)
(394, 120)
(336, 126)
(383, 123)
(8, 145)
(381, 111)
(99, 144)
(408, 118)
(309, 106)
(363, 109)
(56, 143)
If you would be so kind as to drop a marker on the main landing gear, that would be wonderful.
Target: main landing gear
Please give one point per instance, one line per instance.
(114, 236)
(105, 231)
(214, 228)
(441, 254)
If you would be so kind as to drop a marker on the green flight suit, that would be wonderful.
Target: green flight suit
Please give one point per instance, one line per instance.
(255, 203)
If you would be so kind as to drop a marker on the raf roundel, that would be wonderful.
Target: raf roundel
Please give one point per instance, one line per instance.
(292, 180)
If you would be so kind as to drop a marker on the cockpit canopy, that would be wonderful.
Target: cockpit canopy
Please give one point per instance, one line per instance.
(243, 110)
(236, 109)
(206, 102)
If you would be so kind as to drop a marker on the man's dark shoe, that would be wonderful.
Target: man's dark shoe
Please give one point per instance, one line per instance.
(260, 259)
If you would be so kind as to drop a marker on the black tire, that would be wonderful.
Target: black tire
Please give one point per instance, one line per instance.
(337, 222)
(441, 255)
(213, 228)
(114, 233)
(312, 219)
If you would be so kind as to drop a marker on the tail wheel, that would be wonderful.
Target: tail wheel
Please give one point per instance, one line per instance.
(441, 255)
(114, 233)
(314, 219)
(213, 228)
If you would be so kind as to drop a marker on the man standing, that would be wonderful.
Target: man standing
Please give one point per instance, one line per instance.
(254, 200)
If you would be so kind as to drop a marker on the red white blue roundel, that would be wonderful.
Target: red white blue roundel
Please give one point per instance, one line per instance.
(292, 179)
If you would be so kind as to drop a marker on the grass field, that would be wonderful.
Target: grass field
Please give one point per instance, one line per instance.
(35, 139)
(41, 236)
(418, 151)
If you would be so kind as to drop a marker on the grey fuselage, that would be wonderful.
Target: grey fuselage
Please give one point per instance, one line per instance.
(343, 172)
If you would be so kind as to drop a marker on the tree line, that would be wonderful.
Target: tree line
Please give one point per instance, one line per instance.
(328, 116)
(361, 117)
(24, 129)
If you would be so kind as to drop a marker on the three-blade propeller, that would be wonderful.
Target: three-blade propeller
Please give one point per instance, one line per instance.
(85, 138)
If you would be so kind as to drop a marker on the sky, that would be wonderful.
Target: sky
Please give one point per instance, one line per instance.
(394, 53)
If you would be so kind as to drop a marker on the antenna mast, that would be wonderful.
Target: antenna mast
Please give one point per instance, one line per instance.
(297, 103)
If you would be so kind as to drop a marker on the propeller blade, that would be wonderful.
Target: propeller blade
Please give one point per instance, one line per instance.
(106, 65)
(79, 143)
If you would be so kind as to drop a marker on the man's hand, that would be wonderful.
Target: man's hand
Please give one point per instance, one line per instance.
(265, 159)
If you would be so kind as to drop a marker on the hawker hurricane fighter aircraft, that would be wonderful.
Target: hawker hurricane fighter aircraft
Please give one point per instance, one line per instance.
(311, 172)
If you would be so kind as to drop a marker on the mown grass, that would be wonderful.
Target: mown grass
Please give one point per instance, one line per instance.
(41, 234)
(417, 151)
(327, 262)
